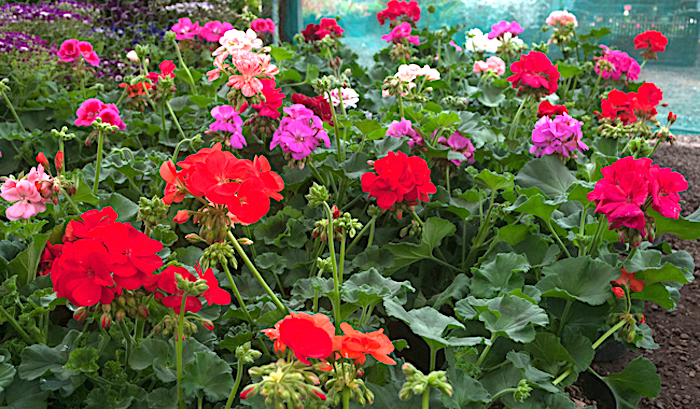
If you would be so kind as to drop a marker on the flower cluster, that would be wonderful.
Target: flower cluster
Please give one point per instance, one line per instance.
(313, 336)
(493, 64)
(71, 49)
(263, 25)
(627, 281)
(318, 104)
(185, 29)
(396, 11)
(632, 106)
(212, 31)
(534, 74)
(404, 127)
(230, 123)
(30, 194)
(327, 27)
(478, 42)
(460, 144)
(650, 42)
(547, 109)
(101, 258)
(242, 186)
(402, 82)
(272, 99)
(398, 178)
(400, 33)
(300, 133)
(629, 186)
(349, 97)
(614, 63)
(561, 18)
(500, 29)
(26, 44)
(93, 108)
(561, 135)
(61, 11)
(165, 288)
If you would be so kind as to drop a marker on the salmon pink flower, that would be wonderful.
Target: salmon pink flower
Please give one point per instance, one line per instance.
(494, 64)
(561, 18)
(247, 81)
(350, 97)
(236, 40)
(185, 29)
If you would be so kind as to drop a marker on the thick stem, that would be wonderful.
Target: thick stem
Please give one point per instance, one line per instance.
(426, 398)
(447, 179)
(486, 350)
(562, 321)
(138, 330)
(400, 106)
(162, 120)
(177, 123)
(256, 273)
(9, 318)
(433, 358)
(178, 350)
(336, 280)
(556, 236)
(236, 384)
(98, 164)
(347, 393)
(516, 120)
(503, 392)
(602, 224)
(184, 66)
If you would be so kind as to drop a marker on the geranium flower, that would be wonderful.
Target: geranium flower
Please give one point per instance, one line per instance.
(319, 105)
(478, 42)
(535, 74)
(319, 320)
(310, 31)
(247, 81)
(494, 64)
(350, 97)
(547, 109)
(329, 27)
(401, 32)
(185, 29)
(93, 108)
(273, 99)
(263, 25)
(305, 339)
(28, 202)
(212, 31)
(229, 122)
(167, 69)
(629, 281)
(235, 40)
(617, 105)
(357, 345)
(499, 29)
(400, 10)
(561, 18)
(650, 42)
(133, 255)
(68, 51)
(404, 127)
(664, 186)
(621, 62)
(398, 178)
(300, 133)
(460, 144)
(561, 135)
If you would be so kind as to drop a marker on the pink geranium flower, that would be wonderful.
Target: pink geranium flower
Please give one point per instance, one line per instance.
(27, 194)
(263, 25)
(499, 29)
(664, 185)
(230, 123)
(300, 133)
(110, 114)
(400, 32)
(561, 135)
(185, 29)
(89, 110)
(68, 51)
(494, 64)
(214, 30)
(404, 127)
(460, 144)
(247, 81)
(88, 54)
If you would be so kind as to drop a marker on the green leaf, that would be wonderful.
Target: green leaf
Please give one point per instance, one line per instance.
(568, 71)
(83, 193)
(125, 208)
(499, 275)
(548, 353)
(147, 352)
(209, 374)
(547, 173)
(272, 262)
(580, 278)
(164, 234)
(640, 376)
(533, 375)
(508, 316)
(458, 288)
(491, 96)
(26, 263)
(656, 293)
(83, 360)
(236, 336)
(369, 287)
(374, 257)
(599, 33)
(367, 126)
(535, 205)
(684, 228)
(434, 230)
(312, 72)
(201, 100)
(466, 390)
(494, 181)
(580, 348)
(281, 53)
(38, 359)
(22, 394)
(7, 375)
(179, 103)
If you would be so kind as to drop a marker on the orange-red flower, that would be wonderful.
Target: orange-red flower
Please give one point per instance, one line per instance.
(357, 345)
(306, 339)
(627, 280)
(321, 321)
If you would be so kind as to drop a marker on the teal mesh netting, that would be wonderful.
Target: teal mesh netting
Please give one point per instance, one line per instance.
(674, 73)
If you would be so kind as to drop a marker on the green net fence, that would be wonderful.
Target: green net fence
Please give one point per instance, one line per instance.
(675, 72)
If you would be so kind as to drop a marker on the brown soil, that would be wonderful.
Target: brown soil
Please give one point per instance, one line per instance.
(678, 331)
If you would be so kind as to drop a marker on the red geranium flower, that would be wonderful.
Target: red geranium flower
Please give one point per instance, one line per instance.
(319, 320)
(133, 255)
(356, 345)
(273, 99)
(535, 74)
(167, 69)
(164, 286)
(618, 105)
(309, 33)
(400, 11)
(629, 281)
(651, 42)
(318, 104)
(547, 109)
(398, 177)
(305, 339)
(329, 27)
(645, 100)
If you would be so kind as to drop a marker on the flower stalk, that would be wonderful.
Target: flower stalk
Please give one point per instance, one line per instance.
(98, 164)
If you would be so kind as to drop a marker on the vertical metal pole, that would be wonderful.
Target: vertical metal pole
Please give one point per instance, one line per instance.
(276, 19)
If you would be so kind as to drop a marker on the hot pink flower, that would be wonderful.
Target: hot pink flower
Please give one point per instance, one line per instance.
(89, 110)
(460, 144)
(453, 44)
(110, 115)
(185, 29)
(230, 123)
(664, 185)
(214, 30)
(400, 32)
(69, 50)
(263, 25)
(88, 54)
(503, 27)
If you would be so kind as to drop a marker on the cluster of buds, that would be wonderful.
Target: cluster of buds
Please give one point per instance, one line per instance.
(455, 103)
(562, 34)
(603, 65)
(401, 52)
(417, 382)
(318, 194)
(640, 147)
(214, 221)
(414, 229)
(321, 226)
(346, 376)
(394, 85)
(169, 325)
(247, 355)
(151, 211)
(663, 134)
(628, 331)
(219, 253)
(634, 237)
(613, 128)
(327, 83)
(130, 303)
(285, 384)
(262, 125)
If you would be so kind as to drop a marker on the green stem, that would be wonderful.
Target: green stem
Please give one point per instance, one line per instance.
(12, 109)
(595, 88)
(346, 397)
(138, 331)
(447, 179)
(656, 145)
(9, 318)
(341, 156)
(236, 384)
(426, 398)
(556, 236)
(486, 350)
(362, 232)
(178, 350)
(433, 358)
(162, 119)
(184, 66)
(199, 401)
(70, 200)
(563, 317)
(371, 233)
(127, 337)
(643, 64)
(256, 273)
(341, 261)
(241, 303)
(336, 280)
(98, 165)
(602, 224)
(516, 120)
(417, 219)
(400, 105)
(177, 123)
(503, 392)
(82, 85)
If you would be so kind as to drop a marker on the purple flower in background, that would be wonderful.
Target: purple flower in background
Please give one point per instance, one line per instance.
(460, 144)
(229, 122)
(300, 133)
(561, 135)
(500, 28)
(404, 127)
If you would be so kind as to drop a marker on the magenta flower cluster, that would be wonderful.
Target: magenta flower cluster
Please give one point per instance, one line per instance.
(460, 144)
(499, 29)
(404, 127)
(400, 32)
(230, 123)
(300, 133)
(561, 135)
(622, 63)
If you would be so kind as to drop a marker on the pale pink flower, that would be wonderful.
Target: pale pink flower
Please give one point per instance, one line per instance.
(237, 40)
(494, 64)
(268, 69)
(132, 56)
(29, 201)
(561, 18)
(247, 81)
(350, 97)
(431, 73)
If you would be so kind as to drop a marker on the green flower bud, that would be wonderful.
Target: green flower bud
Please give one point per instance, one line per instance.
(317, 195)
(170, 37)
(522, 392)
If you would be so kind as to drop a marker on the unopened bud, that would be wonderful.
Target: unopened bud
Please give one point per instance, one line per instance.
(80, 314)
(120, 315)
(105, 320)
(142, 311)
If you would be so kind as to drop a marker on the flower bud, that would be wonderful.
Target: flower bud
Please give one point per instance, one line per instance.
(41, 158)
(120, 315)
(249, 391)
(132, 56)
(208, 325)
(244, 241)
(58, 161)
(105, 320)
(80, 314)
(181, 216)
(170, 36)
(142, 311)
(432, 9)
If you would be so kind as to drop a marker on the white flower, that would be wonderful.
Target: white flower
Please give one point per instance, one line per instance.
(350, 97)
(132, 56)
(431, 73)
(514, 41)
(478, 42)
